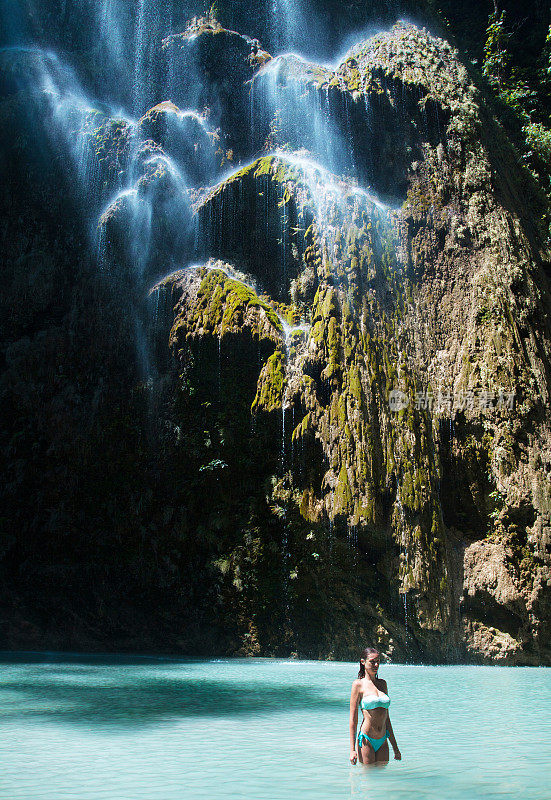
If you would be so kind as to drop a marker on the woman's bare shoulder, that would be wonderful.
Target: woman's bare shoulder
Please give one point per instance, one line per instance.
(357, 685)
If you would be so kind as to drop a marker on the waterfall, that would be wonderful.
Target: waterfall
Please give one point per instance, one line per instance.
(137, 162)
(288, 23)
(404, 565)
(139, 88)
(164, 189)
(284, 103)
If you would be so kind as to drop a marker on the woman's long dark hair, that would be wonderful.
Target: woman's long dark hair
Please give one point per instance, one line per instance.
(365, 653)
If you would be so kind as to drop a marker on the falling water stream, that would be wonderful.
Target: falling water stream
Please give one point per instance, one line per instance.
(404, 563)
(160, 730)
(138, 162)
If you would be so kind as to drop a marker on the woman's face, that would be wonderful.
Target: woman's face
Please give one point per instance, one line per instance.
(372, 663)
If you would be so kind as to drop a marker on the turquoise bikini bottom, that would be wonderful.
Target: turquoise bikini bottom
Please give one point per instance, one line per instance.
(375, 743)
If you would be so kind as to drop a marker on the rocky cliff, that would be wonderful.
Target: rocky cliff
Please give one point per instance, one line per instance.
(276, 370)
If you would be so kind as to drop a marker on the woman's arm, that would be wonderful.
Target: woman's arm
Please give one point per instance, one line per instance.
(354, 696)
(392, 739)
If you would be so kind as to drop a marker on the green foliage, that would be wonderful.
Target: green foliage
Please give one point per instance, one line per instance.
(518, 95)
(525, 92)
(271, 384)
(213, 465)
(498, 501)
(538, 138)
(545, 70)
(496, 57)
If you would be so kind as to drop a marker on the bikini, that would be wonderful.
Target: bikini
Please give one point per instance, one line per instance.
(368, 703)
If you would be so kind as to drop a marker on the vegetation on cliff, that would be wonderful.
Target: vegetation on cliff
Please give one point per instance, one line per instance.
(329, 420)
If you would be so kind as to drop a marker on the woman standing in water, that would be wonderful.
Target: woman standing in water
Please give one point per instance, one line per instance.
(371, 746)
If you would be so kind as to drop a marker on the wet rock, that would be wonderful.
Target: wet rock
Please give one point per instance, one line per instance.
(185, 137)
(223, 62)
(216, 300)
(149, 227)
(387, 314)
(252, 218)
(292, 107)
(310, 391)
(214, 309)
(458, 219)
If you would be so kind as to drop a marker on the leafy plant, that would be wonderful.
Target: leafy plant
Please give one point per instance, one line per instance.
(496, 57)
(524, 92)
(216, 463)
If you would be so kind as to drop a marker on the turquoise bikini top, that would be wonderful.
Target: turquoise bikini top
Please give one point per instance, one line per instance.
(371, 701)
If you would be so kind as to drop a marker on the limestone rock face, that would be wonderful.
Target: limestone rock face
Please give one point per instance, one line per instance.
(434, 300)
(185, 135)
(495, 613)
(486, 571)
(211, 67)
(334, 422)
(148, 227)
(481, 293)
(213, 300)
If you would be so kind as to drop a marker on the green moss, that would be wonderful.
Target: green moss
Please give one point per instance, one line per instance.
(222, 303)
(302, 427)
(366, 510)
(261, 167)
(342, 405)
(317, 331)
(271, 384)
(352, 76)
(328, 307)
(355, 384)
(406, 491)
(343, 501)
(332, 345)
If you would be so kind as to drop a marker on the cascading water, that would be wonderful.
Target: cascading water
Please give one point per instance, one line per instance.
(278, 91)
(69, 115)
(172, 195)
(287, 23)
(404, 566)
(139, 90)
(288, 109)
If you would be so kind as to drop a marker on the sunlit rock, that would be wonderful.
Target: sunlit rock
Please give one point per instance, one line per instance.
(359, 386)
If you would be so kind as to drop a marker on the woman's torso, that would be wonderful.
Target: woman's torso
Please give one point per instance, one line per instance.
(374, 704)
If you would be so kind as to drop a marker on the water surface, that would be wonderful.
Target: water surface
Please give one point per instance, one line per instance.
(263, 729)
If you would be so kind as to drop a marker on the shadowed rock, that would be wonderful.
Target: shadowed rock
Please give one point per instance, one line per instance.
(184, 136)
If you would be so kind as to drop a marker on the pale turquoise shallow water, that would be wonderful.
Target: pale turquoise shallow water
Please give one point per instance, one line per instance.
(262, 729)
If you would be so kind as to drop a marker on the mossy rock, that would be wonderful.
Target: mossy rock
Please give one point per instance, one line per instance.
(271, 384)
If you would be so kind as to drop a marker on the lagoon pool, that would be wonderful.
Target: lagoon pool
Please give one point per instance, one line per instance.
(93, 728)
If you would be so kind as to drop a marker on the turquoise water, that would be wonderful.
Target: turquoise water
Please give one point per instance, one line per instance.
(127, 729)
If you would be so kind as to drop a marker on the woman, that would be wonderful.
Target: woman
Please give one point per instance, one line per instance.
(371, 747)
